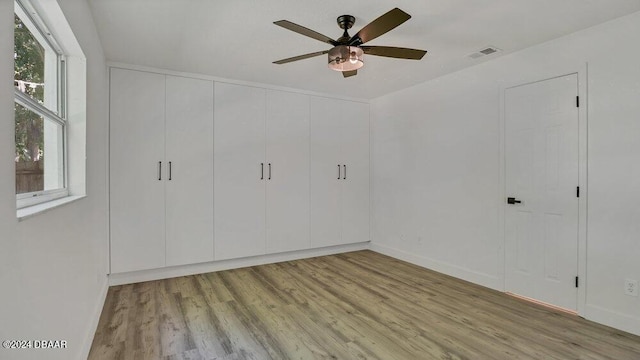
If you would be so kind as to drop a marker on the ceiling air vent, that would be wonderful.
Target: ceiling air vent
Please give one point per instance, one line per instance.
(484, 52)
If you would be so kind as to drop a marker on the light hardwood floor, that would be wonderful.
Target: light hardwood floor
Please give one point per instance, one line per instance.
(359, 305)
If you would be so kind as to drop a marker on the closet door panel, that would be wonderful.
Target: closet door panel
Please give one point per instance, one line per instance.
(355, 188)
(137, 121)
(189, 156)
(326, 178)
(287, 136)
(239, 150)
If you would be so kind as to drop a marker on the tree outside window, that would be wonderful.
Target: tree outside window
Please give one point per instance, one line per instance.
(38, 138)
(28, 78)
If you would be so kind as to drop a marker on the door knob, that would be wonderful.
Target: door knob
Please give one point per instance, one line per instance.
(512, 201)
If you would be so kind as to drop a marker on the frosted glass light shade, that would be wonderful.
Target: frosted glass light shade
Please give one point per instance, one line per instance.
(345, 58)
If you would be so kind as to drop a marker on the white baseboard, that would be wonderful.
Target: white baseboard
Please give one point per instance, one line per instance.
(95, 319)
(175, 271)
(614, 319)
(492, 282)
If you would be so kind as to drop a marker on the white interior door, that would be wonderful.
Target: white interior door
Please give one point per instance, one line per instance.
(541, 232)
(189, 184)
(326, 175)
(355, 185)
(239, 184)
(287, 204)
(137, 120)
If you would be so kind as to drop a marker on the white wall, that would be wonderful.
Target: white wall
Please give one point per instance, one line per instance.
(436, 158)
(53, 266)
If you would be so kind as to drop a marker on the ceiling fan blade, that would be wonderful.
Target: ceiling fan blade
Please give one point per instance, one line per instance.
(379, 26)
(394, 52)
(350, 73)
(300, 57)
(304, 31)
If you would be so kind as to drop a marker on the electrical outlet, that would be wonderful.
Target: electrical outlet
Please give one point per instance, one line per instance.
(631, 287)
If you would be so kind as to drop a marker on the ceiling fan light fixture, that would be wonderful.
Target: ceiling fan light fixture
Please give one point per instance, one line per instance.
(346, 58)
(348, 51)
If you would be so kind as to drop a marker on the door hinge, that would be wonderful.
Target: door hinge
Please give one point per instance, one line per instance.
(577, 191)
(577, 101)
(576, 281)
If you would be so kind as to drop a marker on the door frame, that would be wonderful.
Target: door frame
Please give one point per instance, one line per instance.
(533, 76)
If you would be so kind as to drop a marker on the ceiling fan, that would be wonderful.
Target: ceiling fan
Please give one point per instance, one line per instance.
(347, 52)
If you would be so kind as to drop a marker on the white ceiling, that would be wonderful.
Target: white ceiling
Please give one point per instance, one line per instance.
(236, 39)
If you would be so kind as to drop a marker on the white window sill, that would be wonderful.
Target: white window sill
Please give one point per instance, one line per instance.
(33, 210)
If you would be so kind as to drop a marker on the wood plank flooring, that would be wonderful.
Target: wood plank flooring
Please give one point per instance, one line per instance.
(359, 305)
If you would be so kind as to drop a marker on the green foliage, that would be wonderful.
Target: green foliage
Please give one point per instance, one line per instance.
(29, 66)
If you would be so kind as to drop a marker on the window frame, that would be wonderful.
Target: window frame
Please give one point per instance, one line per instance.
(29, 16)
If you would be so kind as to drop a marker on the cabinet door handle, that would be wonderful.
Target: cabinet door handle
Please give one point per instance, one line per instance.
(169, 170)
(513, 201)
(269, 171)
(345, 172)
(261, 171)
(159, 170)
(338, 172)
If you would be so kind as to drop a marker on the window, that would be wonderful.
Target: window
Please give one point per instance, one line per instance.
(40, 102)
